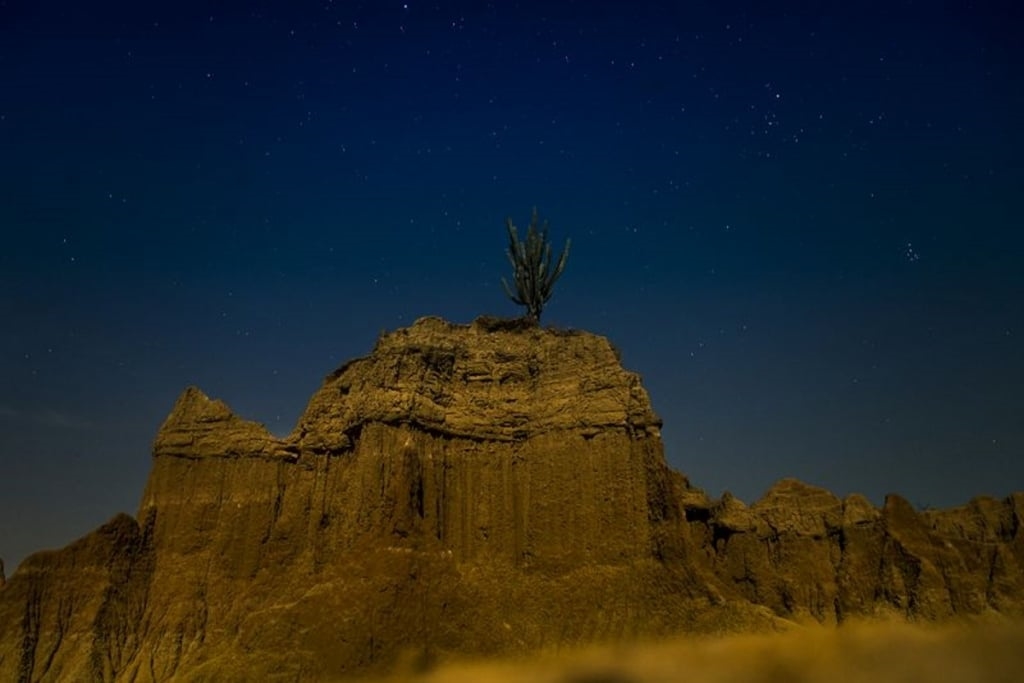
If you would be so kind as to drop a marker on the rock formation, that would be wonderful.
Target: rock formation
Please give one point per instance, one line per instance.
(804, 553)
(474, 489)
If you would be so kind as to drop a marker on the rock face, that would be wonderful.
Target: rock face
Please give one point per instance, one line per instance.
(476, 489)
(806, 554)
(75, 614)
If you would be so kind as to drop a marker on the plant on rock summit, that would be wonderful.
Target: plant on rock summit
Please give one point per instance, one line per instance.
(531, 266)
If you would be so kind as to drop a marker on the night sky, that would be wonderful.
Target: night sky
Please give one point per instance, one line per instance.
(800, 222)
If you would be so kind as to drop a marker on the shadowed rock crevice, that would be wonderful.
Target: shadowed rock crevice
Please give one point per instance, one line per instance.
(466, 490)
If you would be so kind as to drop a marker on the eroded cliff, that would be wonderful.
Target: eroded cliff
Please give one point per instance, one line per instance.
(804, 553)
(464, 489)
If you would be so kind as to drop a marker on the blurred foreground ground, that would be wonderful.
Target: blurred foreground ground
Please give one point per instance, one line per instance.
(865, 652)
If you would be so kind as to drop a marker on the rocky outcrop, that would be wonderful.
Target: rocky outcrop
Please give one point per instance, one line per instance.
(464, 489)
(75, 614)
(482, 488)
(201, 428)
(806, 554)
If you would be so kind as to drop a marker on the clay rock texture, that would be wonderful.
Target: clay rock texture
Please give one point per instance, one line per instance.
(806, 554)
(464, 490)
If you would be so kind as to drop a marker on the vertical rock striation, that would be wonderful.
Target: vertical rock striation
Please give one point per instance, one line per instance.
(74, 614)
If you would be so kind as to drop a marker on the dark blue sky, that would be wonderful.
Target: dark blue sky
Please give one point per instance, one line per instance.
(800, 222)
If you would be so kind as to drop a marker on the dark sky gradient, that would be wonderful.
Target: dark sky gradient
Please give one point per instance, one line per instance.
(800, 222)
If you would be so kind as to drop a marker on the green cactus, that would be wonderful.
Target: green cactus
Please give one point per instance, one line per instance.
(531, 266)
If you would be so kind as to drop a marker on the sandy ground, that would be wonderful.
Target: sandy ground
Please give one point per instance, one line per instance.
(986, 651)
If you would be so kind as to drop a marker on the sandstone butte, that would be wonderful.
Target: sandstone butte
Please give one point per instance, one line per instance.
(466, 490)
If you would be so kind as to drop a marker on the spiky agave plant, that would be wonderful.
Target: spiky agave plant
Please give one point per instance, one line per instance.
(531, 266)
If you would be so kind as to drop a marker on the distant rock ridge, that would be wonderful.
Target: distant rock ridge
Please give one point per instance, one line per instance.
(804, 553)
(466, 490)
